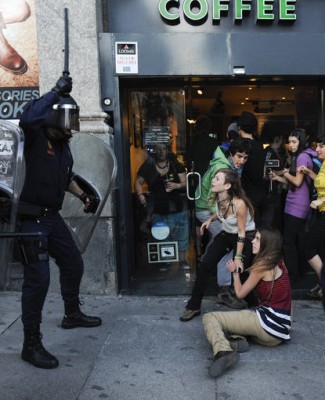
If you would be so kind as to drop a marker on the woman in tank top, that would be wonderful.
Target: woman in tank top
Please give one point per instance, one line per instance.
(269, 323)
(235, 212)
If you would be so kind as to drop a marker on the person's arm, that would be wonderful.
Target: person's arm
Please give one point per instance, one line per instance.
(305, 170)
(317, 203)
(177, 185)
(241, 212)
(207, 223)
(37, 110)
(285, 177)
(243, 289)
(89, 200)
(74, 188)
(138, 189)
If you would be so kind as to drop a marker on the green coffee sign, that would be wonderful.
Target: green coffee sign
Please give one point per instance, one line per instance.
(198, 10)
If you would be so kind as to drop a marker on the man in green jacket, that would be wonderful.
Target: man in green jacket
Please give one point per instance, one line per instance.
(234, 158)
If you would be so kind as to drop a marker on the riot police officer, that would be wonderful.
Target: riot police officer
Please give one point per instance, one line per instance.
(47, 123)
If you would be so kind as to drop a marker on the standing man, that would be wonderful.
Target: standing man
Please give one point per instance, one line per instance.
(47, 124)
(253, 173)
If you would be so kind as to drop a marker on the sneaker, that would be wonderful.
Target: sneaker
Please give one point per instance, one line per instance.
(184, 265)
(315, 292)
(239, 344)
(228, 297)
(223, 361)
(189, 314)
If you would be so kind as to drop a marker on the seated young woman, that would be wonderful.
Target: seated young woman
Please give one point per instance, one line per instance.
(269, 323)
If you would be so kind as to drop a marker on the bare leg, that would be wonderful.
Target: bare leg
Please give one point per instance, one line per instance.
(316, 263)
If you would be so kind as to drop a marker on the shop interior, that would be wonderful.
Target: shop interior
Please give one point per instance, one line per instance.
(171, 107)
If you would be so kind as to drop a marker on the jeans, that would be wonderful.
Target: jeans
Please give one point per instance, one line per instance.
(61, 246)
(216, 249)
(242, 323)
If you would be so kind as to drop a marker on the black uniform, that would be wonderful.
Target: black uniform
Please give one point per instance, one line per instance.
(48, 174)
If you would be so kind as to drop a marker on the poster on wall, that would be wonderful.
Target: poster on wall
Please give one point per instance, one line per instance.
(126, 57)
(18, 57)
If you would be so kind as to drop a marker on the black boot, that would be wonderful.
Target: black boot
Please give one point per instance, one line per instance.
(34, 352)
(74, 318)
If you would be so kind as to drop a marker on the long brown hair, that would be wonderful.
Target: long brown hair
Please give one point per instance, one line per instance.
(270, 251)
(236, 189)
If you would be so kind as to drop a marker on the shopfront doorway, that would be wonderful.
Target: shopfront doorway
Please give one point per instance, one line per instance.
(159, 118)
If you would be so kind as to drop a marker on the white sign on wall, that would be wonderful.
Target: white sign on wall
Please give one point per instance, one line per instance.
(126, 57)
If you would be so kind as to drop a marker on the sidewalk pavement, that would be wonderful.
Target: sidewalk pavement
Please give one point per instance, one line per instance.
(143, 352)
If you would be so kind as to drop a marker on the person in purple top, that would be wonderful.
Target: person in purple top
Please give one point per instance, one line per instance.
(297, 200)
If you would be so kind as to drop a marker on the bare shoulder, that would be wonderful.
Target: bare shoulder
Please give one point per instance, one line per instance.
(239, 204)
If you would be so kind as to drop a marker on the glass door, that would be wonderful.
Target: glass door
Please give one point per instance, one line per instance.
(165, 255)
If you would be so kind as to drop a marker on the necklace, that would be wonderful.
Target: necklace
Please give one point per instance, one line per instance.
(162, 166)
(223, 206)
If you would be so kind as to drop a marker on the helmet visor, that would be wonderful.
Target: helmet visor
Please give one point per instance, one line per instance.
(67, 116)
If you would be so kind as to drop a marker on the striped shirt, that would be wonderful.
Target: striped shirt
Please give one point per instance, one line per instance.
(274, 311)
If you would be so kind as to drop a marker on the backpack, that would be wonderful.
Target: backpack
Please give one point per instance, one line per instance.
(316, 167)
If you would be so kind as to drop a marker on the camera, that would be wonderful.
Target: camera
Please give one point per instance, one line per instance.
(268, 166)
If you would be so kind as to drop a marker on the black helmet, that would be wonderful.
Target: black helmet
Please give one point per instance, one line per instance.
(64, 115)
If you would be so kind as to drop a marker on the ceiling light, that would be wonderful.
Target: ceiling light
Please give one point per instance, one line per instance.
(200, 92)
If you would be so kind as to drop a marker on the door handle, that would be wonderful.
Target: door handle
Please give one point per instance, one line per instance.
(188, 176)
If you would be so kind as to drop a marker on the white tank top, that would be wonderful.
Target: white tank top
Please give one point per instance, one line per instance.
(229, 224)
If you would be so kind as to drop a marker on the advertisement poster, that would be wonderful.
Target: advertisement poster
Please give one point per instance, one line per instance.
(18, 57)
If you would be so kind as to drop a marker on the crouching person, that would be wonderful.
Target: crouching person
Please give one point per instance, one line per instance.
(268, 324)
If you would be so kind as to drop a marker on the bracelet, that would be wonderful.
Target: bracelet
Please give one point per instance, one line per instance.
(241, 239)
(239, 255)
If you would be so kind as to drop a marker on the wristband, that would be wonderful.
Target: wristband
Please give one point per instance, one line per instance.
(239, 255)
(241, 239)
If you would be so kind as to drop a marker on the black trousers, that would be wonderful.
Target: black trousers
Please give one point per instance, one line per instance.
(216, 249)
(292, 245)
(61, 246)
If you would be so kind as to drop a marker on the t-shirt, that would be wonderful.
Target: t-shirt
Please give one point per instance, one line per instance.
(320, 185)
(163, 202)
(253, 175)
(298, 199)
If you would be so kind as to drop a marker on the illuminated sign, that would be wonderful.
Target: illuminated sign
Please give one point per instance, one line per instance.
(197, 11)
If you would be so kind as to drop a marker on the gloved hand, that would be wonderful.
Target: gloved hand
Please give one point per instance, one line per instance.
(90, 201)
(63, 85)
